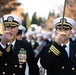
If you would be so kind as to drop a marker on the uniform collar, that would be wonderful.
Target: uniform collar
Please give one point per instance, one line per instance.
(13, 43)
(66, 44)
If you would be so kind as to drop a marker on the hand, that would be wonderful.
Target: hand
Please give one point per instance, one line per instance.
(6, 37)
(60, 38)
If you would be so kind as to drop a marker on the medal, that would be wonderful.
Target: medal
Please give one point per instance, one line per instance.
(22, 56)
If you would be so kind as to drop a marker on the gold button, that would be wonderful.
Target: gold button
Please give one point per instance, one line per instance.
(73, 68)
(20, 66)
(62, 67)
(49, 51)
(3, 73)
(15, 65)
(14, 74)
(5, 64)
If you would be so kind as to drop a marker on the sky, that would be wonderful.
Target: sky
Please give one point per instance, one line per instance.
(42, 7)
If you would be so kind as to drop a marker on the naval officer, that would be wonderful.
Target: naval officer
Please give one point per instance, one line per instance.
(55, 58)
(15, 53)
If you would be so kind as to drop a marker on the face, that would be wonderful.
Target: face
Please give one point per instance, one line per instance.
(49, 35)
(19, 37)
(29, 37)
(65, 30)
(13, 30)
(39, 38)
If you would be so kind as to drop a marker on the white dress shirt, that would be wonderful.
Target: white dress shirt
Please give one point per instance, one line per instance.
(13, 43)
(67, 48)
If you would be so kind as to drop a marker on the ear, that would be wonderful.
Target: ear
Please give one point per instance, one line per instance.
(56, 32)
(70, 33)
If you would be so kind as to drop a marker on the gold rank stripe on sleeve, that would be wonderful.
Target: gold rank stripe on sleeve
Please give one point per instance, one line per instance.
(55, 50)
(1, 53)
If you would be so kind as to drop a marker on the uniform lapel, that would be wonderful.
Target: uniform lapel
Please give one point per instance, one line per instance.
(64, 55)
(16, 48)
(72, 51)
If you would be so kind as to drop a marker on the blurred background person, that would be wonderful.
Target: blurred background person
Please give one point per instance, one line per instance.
(48, 39)
(29, 38)
(73, 36)
(41, 44)
(21, 32)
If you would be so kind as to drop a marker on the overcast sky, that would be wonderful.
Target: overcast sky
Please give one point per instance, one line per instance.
(42, 7)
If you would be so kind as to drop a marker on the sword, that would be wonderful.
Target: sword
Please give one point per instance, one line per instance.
(63, 14)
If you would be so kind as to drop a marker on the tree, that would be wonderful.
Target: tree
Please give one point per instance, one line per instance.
(26, 21)
(51, 14)
(41, 21)
(8, 6)
(34, 19)
(71, 4)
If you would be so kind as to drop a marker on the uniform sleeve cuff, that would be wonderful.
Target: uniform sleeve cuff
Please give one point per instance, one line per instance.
(2, 45)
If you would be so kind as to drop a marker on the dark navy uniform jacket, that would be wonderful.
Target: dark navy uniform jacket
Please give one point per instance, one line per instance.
(54, 58)
(9, 64)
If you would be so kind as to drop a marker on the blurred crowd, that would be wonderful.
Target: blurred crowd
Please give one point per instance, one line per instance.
(36, 36)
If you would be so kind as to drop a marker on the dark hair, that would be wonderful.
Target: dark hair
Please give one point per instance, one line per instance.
(19, 32)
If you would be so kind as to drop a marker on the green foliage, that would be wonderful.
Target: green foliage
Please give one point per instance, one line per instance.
(37, 20)
(34, 19)
(51, 14)
(8, 6)
(26, 21)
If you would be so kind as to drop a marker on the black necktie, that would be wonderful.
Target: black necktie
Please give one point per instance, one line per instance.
(64, 46)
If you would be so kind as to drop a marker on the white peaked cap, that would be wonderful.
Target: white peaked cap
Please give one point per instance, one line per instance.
(21, 27)
(28, 33)
(13, 19)
(73, 31)
(68, 21)
(39, 35)
(49, 33)
(45, 35)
